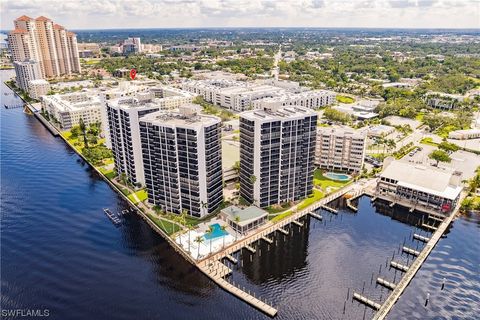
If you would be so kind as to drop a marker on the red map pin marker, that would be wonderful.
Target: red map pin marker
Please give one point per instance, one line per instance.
(133, 73)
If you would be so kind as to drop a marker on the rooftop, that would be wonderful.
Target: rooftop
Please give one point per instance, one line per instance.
(427, 179)
(282, 113)
(24, 18)
(245, 215)
(187, 116)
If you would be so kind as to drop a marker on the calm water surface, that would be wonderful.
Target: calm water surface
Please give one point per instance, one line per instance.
(60, 252)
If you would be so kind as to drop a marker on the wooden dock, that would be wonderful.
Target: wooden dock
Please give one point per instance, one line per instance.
(420, 238)
(113, 217)
(327, 208)
(415, 266)
(218, 270)
(385, 283)
(268, 240)
(300, 224)
(372, 304)
(316, 216)
(399, 266)
(231, 258)
(411, 251)
(429, 227)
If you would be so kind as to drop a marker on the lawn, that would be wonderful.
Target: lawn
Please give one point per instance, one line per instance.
(419, 116)
(277, 208)
(141, 195)
(429, 141)
(345, 99)
(323, 182)
(445, 130)
(317, 195)
(314, 197)
(167, 226)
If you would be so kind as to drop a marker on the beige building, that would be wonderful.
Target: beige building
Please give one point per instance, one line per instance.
(340, 149)
(38, 88)
(69, 108)
(50, 44)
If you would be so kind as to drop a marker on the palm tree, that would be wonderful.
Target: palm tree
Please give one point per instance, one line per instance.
(204, 206)
(190, 228)
(237, 220)
(224, 227)
(210, 231)
(183, 217)
(199, 240)
(83, 128)
(391, 144)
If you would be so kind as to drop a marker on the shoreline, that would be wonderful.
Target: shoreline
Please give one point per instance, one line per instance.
(142, 214)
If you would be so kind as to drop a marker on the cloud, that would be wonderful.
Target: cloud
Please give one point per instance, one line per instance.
(250, 13)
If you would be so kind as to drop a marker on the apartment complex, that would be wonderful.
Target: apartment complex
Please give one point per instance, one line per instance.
(419, 186)
(241, 96)
(123, 128)
(51, 45)
(311, 99)
(164, 97)
(69, 108)
(340, 149)
(26, 71)
(182, 160)
(277, 153)
(38, 88)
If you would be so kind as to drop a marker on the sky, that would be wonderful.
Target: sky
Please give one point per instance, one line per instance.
(107, 14)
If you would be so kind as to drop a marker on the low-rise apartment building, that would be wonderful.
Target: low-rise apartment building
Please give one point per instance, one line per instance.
(69, 108)
(38, 88)
(340, 149)
(311, 99)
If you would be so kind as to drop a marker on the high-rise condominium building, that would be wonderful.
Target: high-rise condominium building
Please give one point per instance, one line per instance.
(182, 160)
(123, 126)
(277, 152)
(340, 149)
(27, 71)
(54, 48)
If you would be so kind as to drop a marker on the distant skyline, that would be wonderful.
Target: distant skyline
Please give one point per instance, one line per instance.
(115, 14)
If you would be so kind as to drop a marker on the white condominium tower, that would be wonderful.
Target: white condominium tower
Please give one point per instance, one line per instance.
(277, 152)
(123, 115)
(340, 149)
(54, 48)
(182, 160)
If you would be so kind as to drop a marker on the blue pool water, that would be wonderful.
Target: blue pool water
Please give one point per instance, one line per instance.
(217, 232)
(337, 176)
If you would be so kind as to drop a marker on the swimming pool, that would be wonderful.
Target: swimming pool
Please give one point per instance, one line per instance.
(217, 232)
(337, 176)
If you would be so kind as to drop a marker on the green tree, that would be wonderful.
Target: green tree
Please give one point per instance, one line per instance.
(448, 146)
(83, 129)
(199, 240)
(440, 156)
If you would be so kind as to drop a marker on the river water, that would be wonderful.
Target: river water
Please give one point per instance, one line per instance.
(60, 252)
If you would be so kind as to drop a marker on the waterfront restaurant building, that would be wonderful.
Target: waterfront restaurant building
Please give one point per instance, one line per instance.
(244, 220)
(182, 160)
(277, 153)
(420, 187)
